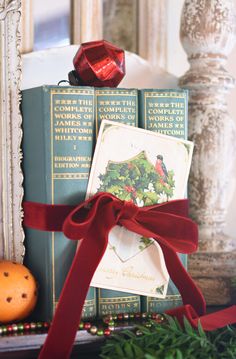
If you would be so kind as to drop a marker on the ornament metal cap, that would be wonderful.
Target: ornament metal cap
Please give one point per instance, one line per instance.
(99, 64)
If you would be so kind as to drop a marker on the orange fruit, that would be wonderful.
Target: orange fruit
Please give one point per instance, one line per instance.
(18, 291)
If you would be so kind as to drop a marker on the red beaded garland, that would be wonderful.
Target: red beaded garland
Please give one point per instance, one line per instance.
(109, 320)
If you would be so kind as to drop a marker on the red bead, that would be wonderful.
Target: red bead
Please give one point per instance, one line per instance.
(87, 326)
(26, 326)
(46, 325)
(160, 318)
(111, 327)
(107, 332)
(137, 315)
(9, 328)
(100, 64)
(107, 319)
(154, 315)
(32, 326)
(120, 316)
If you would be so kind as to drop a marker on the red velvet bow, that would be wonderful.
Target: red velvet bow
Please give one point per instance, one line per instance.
(167, 223)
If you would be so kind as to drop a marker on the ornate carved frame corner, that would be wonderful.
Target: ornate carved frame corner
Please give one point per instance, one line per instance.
(11, 179)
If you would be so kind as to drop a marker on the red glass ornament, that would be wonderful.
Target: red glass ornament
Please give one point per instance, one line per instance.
(99, 64)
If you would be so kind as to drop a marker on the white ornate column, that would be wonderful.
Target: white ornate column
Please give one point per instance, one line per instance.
(86, 20)
(208, 32)
(152, 34)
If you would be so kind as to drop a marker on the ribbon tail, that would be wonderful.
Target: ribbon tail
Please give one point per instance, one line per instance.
(208, 322)
(194, 308)
(219, 319)
(66, 320)
(190, 293)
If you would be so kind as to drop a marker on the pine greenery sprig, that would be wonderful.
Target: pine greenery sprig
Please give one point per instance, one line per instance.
(171, 341)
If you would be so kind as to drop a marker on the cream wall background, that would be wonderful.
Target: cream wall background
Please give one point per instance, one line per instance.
(177, 64)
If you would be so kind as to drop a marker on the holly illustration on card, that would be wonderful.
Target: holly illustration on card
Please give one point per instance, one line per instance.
(145, 168)
(138, 180)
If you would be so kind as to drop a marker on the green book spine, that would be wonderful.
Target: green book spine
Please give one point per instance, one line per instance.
(164, 111)
(58, 125)
(120, 105)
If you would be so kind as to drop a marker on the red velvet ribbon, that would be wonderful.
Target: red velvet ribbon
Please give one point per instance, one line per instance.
(167, 223)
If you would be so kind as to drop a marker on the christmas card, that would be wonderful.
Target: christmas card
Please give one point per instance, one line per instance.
(146, 168)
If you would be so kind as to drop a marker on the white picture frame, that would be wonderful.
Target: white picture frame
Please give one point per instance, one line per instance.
(11, 179)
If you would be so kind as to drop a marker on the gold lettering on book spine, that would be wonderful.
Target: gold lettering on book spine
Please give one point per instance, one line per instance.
(118, 304)
(123, 110)
(165, 117)
(68, 119)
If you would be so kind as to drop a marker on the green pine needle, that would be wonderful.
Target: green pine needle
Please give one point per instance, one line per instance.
(170, 341)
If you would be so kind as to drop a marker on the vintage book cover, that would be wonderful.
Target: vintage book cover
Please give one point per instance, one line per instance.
(58, 125)
(164, 111)
(119, 105)
(148, 168)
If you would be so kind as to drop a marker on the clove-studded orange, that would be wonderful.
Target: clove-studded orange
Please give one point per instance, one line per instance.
(18, 291)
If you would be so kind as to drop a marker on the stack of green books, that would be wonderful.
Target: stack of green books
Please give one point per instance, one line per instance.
(60, 126)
